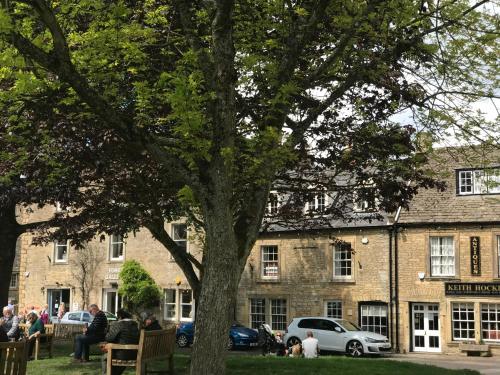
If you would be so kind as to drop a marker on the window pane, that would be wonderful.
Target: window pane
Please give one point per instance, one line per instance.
(442, 254)
(463, 321)
(270, 262)
(333, 309)
(257, 312)
(116, 247)
(61, 251)
(278, 314)
(490, 321)
(374, 318)
(179, 235)
(342, 260)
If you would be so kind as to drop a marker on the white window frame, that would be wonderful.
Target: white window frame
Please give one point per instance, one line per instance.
(278, 314)
(14, 280)
(257, 313)
(170, 304)
(318, 203)
(116, 239)
(374, 311)
(270, 266)
(365, 205)
(179, 303)
(338, 249)
(183, 242)
(57, 245)
(440, 257)
(273, 203)
(478, 181)
(492, 311)
(463, 308)
(333, 309)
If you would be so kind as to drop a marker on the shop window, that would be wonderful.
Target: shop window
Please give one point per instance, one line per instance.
(490, 321)
(61, 252)
(373, 318)
(271, 311)
(257, 312)
(269, 262)
(463, 321)
(442, 254)
(333, 309)
(342, 261)
(116, 247)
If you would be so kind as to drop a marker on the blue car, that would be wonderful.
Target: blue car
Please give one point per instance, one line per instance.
(239, 336)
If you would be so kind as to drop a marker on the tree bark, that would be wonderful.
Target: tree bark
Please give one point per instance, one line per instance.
(10, 230)
(217, 296)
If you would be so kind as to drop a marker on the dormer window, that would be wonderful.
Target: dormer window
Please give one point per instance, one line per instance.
(317, 203)
(273, 203)
(478, 181)
(365, 201)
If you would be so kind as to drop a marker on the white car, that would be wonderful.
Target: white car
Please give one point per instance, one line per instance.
(82, 317)
(336, 335)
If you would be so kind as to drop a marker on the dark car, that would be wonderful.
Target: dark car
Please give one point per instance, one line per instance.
(239, 336)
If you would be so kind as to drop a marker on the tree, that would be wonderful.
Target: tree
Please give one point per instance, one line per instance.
(138, 288)
(84, 265)
(134, 113)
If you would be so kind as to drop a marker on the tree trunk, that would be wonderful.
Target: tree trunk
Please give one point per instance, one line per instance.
(217, 296)
(10, 230)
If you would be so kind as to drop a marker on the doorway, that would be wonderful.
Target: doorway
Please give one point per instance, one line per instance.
(55, 297)
(111, 300)
(425, 326)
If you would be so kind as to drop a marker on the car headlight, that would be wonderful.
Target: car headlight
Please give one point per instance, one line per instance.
(369, 339)
(242, 334)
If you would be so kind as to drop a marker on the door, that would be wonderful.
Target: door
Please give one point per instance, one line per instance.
(425, 318)
(55, 297)
(112, 301)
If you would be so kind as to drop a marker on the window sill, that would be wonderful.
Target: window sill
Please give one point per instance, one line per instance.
(441, 278)
(60, 263)
(116, 260)
(343, 281)
(265, 281)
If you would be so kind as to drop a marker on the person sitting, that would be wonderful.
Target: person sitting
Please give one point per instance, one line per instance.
(93, 334)
(124, 331)
(310, 347)
(10, 324)
(151, 324)
(36, 329)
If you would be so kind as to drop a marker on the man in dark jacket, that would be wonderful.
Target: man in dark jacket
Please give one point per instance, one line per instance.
(93, 334)
(151, 324)
(124, 331)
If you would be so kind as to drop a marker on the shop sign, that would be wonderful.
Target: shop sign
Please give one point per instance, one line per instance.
(112, 274)
(475, 256)
(472, 289)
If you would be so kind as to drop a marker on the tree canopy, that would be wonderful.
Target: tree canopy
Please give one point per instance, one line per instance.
(130, 113)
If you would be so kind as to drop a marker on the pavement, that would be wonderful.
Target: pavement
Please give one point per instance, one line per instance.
(485, 365)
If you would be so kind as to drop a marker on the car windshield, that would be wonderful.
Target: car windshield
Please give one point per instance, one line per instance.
(348, 326)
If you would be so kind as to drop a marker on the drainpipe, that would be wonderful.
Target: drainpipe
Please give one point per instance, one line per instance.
(391, 325)
(396, 275)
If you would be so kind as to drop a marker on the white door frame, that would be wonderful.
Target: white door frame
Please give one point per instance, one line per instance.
(425, 327)
(105, 306)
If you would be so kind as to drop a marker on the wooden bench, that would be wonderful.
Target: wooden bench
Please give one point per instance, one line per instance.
(152, 345)
(43, 340)
(475, 349)
(13, 358)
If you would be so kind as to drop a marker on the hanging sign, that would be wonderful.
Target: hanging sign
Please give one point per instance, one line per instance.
(475, 256)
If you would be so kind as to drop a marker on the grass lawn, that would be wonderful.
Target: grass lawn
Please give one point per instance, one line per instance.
(251, 365)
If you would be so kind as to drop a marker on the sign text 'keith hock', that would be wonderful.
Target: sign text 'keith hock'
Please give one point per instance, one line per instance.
(472, 289)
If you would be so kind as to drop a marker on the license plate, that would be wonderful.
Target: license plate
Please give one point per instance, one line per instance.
(254, 343)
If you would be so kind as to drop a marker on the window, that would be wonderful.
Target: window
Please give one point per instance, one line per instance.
(333, 309)
(278, 314)
(270, 262)
(14, 280)
(342, 261)
(61, 251)
(179, 235)
(170, 304)
(478, 181)
(75, 316)
(463, 321)
(257, 312)
(179, 305)
(186, 304)
(272, 203)
(374, 318)
(116, 247)
(271, 311)
(490, 321)
(442, 256)
(317, 203)
(365, 200)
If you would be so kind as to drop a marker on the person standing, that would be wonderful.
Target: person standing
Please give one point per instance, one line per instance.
(61, 311)
(310, 347)
(93, 334)
(44, 315)
(36, 329)
(10, 324)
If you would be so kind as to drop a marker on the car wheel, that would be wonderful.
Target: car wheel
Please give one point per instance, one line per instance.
(182, 341)
(355, 348)
(230, 343)
(293, 341)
